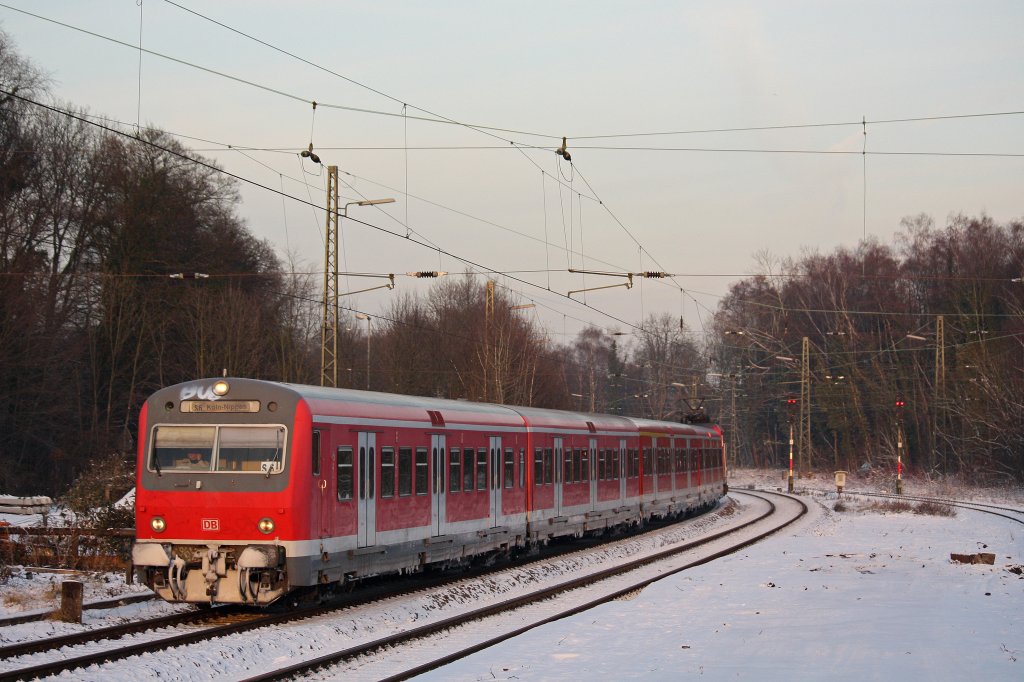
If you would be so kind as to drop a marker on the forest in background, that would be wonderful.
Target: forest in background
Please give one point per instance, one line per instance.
(125, 267)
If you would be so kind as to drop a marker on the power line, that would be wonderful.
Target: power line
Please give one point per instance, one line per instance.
(798, 126)
(438, 118)
(253, 183)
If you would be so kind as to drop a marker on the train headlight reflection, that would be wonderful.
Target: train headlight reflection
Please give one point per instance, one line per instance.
(266, 525)
(158, 524)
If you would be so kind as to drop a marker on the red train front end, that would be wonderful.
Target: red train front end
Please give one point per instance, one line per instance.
(216, 513)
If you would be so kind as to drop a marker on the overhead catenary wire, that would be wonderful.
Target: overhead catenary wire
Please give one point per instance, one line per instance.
(253, 183)
(769, 151)
(437, 118)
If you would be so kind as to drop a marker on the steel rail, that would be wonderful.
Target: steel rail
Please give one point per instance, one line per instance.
(47, 614)
(112, 632)
(59, 666)
(539, 595)
(259, 620)
(963, 504)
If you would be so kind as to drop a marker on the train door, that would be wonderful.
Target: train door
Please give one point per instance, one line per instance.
(495, 480)
(367, 514)
(656, 462)
(438, 513)
(673, 462)
(592, 473)
(319, 486)
(686, 463)
(623, 469)
(558, 464)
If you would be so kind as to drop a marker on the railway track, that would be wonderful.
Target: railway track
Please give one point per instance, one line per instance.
(416, 650)
(223, 620)
(207, 625)
(1016, 515)
(47, 614)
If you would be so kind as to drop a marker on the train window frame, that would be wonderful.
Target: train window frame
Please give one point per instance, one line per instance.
(481, 469)
(212, 450)
(549, 465)
(342, 464)
(522, 467)
(469, 470)
(454, 470)
(422, 467)
(510, 468)
(404, 471)
(567, 465)
(314, 453)
(538, 466)
(387, 472)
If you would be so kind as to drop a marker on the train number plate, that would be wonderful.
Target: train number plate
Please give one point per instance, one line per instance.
(211, 524)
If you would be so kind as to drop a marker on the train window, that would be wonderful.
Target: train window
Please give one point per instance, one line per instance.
(468, 464)
(387, 472)
(404, 471)
(585, 465)
(250, 448)
(315, 452)
(422, 472)
(439, 460)
(648, 464)
(510, 467)
(183, 447)
(617, 471)
(481, 469)
(522, 467)
(538, 466)
(567, 465)
(454, 470)
(495, 468)
(345, 473)
(548, 465)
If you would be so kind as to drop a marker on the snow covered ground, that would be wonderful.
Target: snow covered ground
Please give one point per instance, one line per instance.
(854, 595)
(858, 594)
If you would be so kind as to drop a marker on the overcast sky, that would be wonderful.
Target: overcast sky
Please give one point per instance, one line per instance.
(579, 69)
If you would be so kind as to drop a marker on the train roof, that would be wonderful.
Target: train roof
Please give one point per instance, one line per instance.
(325, 400)
(676, 428)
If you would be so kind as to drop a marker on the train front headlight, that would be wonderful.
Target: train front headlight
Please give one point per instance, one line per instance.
(266, 525)
(158, 524)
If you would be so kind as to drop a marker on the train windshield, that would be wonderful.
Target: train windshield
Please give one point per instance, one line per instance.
(236, 449)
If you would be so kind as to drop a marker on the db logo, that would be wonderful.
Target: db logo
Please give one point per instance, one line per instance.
(211, 524)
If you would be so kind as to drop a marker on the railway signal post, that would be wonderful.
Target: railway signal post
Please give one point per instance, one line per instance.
(791, 404)
(899, 446)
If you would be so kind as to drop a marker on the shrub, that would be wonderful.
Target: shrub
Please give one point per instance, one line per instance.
(934, 509)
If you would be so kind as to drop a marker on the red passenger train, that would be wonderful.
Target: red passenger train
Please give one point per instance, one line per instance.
(248, 490)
